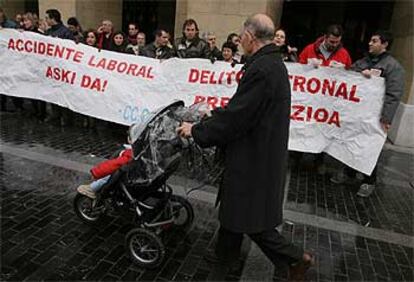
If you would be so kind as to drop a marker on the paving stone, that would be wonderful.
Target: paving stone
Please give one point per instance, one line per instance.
(47, 254)
(109, 277)
(120, 267)
(189, 266)
(131, 275)
(99, 271)
(408, 273)
(200, 275)
(25, 271)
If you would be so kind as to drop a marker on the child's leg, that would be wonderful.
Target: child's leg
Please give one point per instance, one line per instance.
(97, 184)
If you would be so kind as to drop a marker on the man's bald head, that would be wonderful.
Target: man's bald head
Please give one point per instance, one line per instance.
(261, 26)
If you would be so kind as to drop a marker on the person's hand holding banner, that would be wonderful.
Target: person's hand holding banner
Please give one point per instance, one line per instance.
(332, 110)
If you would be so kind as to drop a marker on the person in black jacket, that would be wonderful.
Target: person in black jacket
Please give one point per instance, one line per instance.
(57, 29)
(75, 27)
(254, 129)
(119, 43)
(159, 49)
(191, 45)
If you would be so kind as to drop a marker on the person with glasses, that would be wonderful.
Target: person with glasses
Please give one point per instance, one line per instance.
(132, 34)
(253, 129)
(105, 35)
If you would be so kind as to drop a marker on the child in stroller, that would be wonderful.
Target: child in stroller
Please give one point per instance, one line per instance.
(139, 187)
(102, 171)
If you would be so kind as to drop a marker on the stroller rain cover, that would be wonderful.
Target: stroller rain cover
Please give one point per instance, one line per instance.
(156, 145)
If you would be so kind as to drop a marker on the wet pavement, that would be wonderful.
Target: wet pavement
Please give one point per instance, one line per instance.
(390, 207)
(42, 239)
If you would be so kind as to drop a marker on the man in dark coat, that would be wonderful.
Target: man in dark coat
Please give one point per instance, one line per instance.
(254, 129)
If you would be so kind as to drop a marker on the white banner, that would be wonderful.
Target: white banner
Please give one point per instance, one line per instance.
(333, 111)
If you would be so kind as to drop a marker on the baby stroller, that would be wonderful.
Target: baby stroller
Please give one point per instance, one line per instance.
(140, 188)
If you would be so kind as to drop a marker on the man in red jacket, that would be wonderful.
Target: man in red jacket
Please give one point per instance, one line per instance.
(327, 50)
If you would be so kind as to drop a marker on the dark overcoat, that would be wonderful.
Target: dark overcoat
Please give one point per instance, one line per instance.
(254, 129)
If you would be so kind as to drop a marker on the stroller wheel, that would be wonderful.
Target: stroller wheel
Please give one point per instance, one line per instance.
(87, 209)
(182, 211)
(145, 248)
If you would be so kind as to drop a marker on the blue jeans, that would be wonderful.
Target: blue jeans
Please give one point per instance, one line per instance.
(97, 184)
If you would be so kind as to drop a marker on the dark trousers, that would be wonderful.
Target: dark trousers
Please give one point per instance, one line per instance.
(39, 108)
(368, 179)
(272, 244)
(61, 113)
(3, 102)
(17, 102)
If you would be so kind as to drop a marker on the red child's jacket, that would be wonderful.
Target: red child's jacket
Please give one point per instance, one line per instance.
(109, 166)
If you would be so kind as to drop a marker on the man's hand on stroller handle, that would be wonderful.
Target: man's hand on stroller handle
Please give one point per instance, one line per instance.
(184, 130)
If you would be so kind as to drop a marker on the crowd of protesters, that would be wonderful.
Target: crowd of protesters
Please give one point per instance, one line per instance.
(326, 51)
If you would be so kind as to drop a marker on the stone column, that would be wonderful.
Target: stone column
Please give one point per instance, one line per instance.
(402, 131)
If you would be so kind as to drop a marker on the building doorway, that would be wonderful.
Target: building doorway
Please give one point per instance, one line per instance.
(31, 6)
(306, 20)
(149, 15)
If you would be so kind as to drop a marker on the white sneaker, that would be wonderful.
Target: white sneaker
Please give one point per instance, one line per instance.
(365, 190)
(87, 191)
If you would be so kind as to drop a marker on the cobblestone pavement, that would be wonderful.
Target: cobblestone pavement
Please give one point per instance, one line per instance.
(42, 239)
(390, 207)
